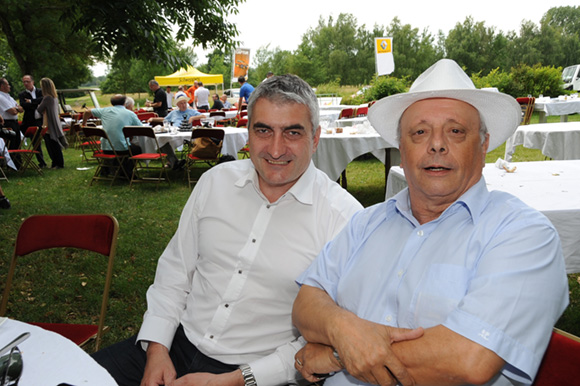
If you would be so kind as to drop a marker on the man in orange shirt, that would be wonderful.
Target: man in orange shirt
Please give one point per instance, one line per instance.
(191, 93)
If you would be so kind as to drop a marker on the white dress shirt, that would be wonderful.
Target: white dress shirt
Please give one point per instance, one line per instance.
(228, 273)
(6, 103)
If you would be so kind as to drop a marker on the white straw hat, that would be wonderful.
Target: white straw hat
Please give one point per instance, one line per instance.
(445, 79)
(181, 98)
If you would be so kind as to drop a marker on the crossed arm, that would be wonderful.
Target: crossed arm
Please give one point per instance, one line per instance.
(383, 355)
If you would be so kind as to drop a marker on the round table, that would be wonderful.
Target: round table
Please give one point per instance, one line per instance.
(51, 359)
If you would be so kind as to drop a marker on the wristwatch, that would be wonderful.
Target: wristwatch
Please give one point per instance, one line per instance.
(248, 375)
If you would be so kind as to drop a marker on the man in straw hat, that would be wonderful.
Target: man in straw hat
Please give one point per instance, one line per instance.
(479, 276)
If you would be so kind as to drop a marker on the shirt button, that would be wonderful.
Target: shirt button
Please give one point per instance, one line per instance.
(389, 318)
(267, 206)
(400, 273)
(211, 336)
(253, 240)
(420, 233)
(240, 271)
(227, 305)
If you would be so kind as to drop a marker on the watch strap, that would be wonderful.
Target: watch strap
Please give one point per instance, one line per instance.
(248, 374)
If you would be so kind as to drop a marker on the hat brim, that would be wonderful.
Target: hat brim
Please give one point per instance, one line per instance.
(500, 112)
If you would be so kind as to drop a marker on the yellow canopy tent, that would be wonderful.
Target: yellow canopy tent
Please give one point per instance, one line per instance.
(188, 76)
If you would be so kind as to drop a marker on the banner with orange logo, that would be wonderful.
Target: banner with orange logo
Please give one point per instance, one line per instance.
(241, 63)
(385, 63)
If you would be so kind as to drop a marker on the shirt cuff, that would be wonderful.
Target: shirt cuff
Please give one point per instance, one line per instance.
(156, 329)
(278, 367)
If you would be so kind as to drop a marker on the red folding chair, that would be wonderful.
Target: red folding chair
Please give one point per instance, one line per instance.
(149, 167)
(346, 113)
(113, 162)
(95, 233)
(527, 105)
(27, 152)
(561, 363)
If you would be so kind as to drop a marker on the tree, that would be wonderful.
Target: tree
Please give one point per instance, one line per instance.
(41, 45)
(59, 39)
(413, 52)
(566, 20)
(476, 47)
(143, 28)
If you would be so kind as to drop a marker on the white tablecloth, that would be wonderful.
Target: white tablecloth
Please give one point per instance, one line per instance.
(556, 107)
(344, 122)
(234, 140)
(6, 155)
(229, 115)
(336, 151)
(51, 359)
(552, 187)
(560, 140)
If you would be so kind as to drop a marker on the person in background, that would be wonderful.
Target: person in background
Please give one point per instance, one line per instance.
(268, 76)
(191, 93)
(54, 139)
(169, 94)
(245, 91)
(130, 104)
(114, 118)
(182, 113)
(29, 99)
(218, 312)
(225, 102)
(446, 256)
(9, 110)
(180, 93)
(202, 97)
(217, 104)
(159, 103)
(4, 202)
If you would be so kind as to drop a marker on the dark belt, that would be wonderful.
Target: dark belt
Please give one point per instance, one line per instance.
(11, 120)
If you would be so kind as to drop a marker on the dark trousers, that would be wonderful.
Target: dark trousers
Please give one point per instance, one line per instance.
(14, 141)
(128, 164)
(37, 122)
(125, 361)
(54, 151)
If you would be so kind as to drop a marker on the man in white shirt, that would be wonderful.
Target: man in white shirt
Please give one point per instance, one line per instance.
(9, 110)
(219, 311)
(202, 97)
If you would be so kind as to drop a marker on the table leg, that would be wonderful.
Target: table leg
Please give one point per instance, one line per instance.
(543, 118)
(563, 118)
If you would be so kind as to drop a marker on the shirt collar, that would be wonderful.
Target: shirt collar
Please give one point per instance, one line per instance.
(474, 201)
(302, 190)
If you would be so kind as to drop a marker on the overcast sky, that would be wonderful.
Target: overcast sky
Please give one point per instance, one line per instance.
(282, 23)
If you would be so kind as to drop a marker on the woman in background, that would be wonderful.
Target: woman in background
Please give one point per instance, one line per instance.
(54, 139)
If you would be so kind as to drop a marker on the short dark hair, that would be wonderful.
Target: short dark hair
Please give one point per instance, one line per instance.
(241, 79)
(118, 100)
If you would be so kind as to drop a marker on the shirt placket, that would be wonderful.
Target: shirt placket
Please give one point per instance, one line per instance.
(234, 289)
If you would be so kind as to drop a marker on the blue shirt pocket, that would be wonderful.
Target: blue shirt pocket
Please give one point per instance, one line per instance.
(439, 292)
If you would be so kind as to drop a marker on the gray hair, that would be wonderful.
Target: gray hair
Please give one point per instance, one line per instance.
(286, 89)
(129, 102)
(153, 82)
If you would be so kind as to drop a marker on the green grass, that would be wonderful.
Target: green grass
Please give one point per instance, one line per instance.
(148, 218)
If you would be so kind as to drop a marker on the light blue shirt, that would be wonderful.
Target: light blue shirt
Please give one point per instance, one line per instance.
(490, 268)
(176, 116)
(114, 118)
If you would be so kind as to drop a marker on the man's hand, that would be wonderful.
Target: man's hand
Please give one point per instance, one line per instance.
(159, 369)
(234, 378)
(365, 350)
(316, 359)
